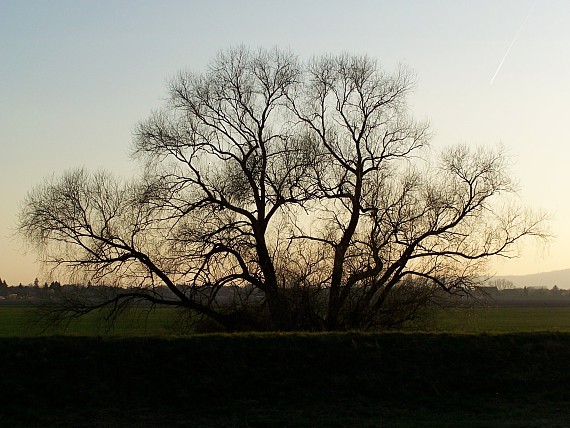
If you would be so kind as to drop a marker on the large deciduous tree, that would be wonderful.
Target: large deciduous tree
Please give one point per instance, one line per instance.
(284, 195)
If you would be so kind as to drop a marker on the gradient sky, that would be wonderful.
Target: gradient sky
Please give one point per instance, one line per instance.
(76, 77)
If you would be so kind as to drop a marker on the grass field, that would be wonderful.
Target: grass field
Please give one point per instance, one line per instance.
(24, 321)
(21, 321)
(501, 320)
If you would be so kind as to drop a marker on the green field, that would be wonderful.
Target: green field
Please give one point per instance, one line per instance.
(22, 321)
(501, 320)
(25, 321)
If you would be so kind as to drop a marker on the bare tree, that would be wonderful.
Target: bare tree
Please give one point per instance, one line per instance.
(106, 232)
(441, 225)
(238, 163)
(301, 187)
(383, 219)
(502, 284)
(357, 114)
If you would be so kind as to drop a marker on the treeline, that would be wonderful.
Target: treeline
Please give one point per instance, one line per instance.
(54, 289)
(30, 291)
(36, 284)
(405, 301)
(526, 296)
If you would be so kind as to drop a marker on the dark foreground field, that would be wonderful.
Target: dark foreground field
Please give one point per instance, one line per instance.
(331, 380)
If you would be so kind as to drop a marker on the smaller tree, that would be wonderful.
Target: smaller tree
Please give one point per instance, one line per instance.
(502, 284)
(55, 285)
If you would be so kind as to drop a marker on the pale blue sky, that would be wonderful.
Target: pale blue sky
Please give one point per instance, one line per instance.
(76, 76)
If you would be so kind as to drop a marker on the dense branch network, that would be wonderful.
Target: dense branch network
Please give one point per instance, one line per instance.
(303, 187)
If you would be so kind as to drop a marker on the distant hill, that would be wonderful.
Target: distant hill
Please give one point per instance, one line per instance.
(560, 278)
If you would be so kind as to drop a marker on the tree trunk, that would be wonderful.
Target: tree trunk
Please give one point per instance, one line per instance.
(279, 306)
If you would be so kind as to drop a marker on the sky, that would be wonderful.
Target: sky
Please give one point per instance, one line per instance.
(77, 76)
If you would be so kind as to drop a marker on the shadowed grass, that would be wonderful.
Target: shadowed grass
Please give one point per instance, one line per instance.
(307, 380)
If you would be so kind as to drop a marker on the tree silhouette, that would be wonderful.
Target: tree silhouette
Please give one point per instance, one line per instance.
(283, 195)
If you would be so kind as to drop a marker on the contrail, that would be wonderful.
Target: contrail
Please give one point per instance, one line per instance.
(512, 43)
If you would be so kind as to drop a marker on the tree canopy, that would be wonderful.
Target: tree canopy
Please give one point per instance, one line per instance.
(286, 195)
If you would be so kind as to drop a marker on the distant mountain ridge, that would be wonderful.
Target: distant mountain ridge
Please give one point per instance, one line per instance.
(560, 278)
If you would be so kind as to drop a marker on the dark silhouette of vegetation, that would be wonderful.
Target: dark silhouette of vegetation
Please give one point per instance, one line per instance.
(306, 188)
